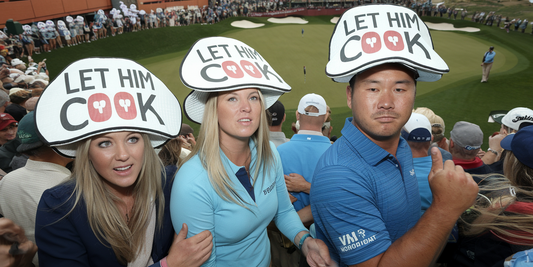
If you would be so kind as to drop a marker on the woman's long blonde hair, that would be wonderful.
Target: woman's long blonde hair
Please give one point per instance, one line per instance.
(105, 219)
(490, 212)
(208, 149)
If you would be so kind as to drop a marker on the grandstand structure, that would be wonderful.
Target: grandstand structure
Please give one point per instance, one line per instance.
(28, 11)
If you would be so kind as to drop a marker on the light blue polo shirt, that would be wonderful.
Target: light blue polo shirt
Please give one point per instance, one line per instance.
(300, 155)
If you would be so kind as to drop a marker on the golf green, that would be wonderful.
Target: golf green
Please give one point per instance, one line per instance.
(459, 95)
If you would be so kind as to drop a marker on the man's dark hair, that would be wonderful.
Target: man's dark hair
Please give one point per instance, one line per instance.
(186, 129)
(414, 73)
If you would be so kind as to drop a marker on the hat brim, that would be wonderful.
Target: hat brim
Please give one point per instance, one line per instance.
(506, 142)
(423, 74)
(194, 104)
(69, 150)
(27, 147)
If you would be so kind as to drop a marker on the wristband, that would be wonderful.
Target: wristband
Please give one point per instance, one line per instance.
(493, 151)
(302, 240)
(164, 262)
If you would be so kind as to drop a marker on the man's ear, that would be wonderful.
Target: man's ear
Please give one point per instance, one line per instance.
(284, 116)
(349, 96)
(297, 115)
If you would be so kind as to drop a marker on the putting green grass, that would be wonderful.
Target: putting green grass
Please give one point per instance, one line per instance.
(459, 95)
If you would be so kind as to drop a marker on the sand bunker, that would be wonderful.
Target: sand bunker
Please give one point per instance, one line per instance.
(246, 24)
(450, 27)
(434, 26)
(288, 20)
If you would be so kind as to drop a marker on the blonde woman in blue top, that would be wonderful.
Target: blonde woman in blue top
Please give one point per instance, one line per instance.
(233, 180)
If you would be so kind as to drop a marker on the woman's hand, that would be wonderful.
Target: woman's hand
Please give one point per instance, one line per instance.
(316, 252)
(191, 251)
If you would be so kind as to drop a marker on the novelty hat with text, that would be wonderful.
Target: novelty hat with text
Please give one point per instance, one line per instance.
(99, 95)
(372, 35)
(217, 64)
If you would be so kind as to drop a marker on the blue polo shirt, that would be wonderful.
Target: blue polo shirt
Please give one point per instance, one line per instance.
(363, 198)
(489, 57)
(300, 155)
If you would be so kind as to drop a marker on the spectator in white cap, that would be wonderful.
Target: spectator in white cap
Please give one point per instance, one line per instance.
(437, 132)
(299, 157)
(365, 198)
(233, 180)
(114, 208)
(18, 64)
(510, 123)
(514, 119)
(417, 133)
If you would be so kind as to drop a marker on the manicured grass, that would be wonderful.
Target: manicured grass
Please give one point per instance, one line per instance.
(459, 95)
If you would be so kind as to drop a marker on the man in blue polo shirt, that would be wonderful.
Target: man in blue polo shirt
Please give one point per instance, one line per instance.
(364, 198)
(486, 64)
(299, 157)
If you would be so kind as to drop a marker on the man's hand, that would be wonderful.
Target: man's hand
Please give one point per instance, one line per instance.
(453, 190)
(191, 251)
(15, 248)
(292, 198)
(494, 142)
(316, 253)
(297, 183)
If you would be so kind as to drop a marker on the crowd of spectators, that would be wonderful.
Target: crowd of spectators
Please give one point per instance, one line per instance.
(40, 37)
(21, 84)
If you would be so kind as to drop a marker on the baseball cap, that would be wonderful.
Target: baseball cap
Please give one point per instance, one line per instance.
(497, 115)
(467, 135)
(312, 100)
(517, 116)
(16, 62)
(521, 144)
(277, 111)
(417, 129)
(27, 133)
(5, 120)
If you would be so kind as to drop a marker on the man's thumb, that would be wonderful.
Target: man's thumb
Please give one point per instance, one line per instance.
(436, 161)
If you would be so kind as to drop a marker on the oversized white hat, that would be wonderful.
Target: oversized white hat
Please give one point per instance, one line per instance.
(69, 19)
(216, 64)
(99, 95)
(372, 35)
